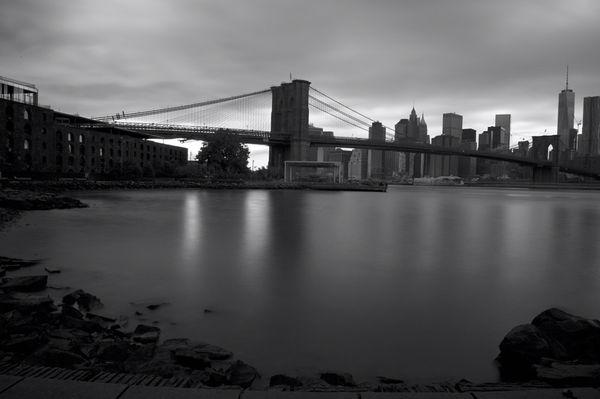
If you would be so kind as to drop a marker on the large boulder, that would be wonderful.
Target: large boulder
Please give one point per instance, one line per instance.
(213, 352)
(554, 337)
(579, 337)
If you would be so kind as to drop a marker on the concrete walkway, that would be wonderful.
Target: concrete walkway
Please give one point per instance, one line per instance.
(41, 388)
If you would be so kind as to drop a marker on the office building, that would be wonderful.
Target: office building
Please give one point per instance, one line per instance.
(590, 139)
(503, 121)
(452, 125)
(566, 116)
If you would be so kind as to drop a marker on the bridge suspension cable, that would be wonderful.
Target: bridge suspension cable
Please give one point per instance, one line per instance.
(158, 111)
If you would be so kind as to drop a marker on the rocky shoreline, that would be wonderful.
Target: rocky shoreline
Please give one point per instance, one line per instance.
(74, 333)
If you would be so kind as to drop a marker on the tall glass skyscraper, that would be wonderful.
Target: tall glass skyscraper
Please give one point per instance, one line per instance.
(566, 115)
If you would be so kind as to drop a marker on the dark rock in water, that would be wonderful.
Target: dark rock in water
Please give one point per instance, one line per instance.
(26, 303)
(387, 380)
(579, 337)
(175, 343)
(84, 300)
(213, 378)
(213, 352)
(344, 379)
(241, 374)
(15, 264)
(138, 313)
(189, 358)
(61, 358)
(51, 271)
(70, 311)
(156, 305)
(282, 379)
(25, 284)
(556, 347)
(569, 374)
(102, 320)
(85, 325)
(146, 334)
(23, 344)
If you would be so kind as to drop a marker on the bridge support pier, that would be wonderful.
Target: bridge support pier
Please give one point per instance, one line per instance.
(289, 115)
(544, 174)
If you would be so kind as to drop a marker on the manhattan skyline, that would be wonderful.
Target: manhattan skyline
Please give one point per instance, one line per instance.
(477, 59)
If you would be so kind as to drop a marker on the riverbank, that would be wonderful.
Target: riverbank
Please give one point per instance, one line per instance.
(93, 185)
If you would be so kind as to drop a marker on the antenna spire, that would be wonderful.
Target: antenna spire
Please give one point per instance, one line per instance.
(567, 85)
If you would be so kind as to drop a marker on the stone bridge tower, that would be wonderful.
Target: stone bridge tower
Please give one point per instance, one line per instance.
(289, 116)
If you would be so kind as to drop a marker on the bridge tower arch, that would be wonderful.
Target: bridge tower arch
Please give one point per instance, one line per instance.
(289, 117)
(546, 148)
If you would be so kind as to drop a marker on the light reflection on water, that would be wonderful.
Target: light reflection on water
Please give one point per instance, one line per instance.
(418, 282)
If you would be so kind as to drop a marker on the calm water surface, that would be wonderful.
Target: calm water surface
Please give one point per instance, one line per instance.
(419, 283)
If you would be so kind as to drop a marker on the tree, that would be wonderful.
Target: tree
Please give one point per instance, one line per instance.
(224, 156)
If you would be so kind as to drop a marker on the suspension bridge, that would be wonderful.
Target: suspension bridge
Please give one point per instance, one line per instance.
(285, 118)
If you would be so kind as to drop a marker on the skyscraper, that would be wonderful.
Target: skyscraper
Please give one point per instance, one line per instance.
(375, 158)
(566, 115)
(591, 126)
(503, 120)
(452, 125)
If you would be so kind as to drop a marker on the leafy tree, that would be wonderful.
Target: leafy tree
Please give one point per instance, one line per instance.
(224, 156)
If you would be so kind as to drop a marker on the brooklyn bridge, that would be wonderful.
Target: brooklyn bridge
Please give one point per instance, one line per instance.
(280, 117)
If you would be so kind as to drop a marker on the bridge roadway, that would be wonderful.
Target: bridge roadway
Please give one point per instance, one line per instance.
(260, 137)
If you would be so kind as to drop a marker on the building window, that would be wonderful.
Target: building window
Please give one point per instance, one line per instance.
(26, 114)
(70, 149)
(80, 138)
(69, 137)
(43, 130)
(26, 145)
(101, 152)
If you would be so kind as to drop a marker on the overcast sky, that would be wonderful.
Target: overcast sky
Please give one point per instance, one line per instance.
(473, 57)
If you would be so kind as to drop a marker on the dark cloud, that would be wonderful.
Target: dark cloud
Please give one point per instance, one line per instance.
(473, 57)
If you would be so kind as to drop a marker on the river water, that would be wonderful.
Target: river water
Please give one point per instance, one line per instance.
(418, 283)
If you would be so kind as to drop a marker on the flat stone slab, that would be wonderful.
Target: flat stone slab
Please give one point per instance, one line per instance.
(141, 392)
(7, 380)
(579, 393)
(298, 395)
(415, 395)
(41, 388)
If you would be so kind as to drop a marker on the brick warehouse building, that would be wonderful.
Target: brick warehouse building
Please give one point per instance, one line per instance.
(37, 141)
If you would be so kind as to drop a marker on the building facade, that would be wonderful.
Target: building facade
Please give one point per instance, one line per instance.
(452, 125)
(37, 141)
(503, 121)
(590, 140)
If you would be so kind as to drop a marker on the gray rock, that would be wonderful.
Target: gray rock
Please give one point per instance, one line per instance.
(579, 337)
(26, 284)
(212, 351)
(571, 374)
(344, 379)
(192, 359)
(84, 300)
(282, 379)
(70, 311)
(146, 334)
(26, 303)
(241, 374)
